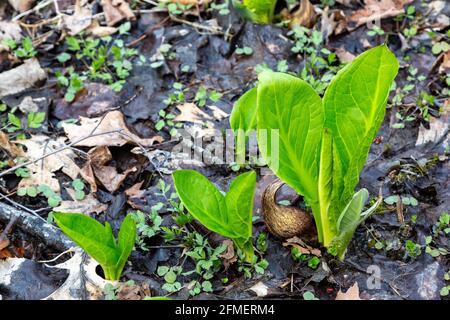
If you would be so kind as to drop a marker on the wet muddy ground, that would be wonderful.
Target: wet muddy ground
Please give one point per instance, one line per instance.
(400, 163)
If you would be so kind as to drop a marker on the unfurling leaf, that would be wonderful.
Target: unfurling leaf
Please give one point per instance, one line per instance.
(229, 215)
(98, 240)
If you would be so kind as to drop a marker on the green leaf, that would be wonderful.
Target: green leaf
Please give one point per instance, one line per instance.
(239, 203)
(290, 111)
(242, 121)
(348, 221)
(125, 243)
(355, 104)
(325, 223)
(229, 215)
(98, 240)
(77, 184)
(259, 11)
(15, 121)
(350, 218)
(64, 57)
(35, 119)
(202, 199)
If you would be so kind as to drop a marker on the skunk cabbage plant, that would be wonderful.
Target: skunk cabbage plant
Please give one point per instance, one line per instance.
(98, 240)
(258, 11)
(323, 143)
(229, 215)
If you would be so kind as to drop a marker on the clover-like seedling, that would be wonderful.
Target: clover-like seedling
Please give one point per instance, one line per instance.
(229, 215)
(323, 143)
(98, 240)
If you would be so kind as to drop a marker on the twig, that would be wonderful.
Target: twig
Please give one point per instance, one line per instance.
(18, 205)
(36, 8)
(35, 226)
(8, 227)
(68, 146)
(212, 30)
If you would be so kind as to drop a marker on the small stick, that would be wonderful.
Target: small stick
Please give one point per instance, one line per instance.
(8, 227)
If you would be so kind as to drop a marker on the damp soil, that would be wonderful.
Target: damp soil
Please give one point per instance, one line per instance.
(214, 65)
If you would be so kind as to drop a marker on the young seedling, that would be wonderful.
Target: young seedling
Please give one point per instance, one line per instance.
(98, 240)
(322, 143)
(229, 215)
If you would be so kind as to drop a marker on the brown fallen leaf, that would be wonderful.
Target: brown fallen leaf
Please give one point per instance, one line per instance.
(136, 197)
(351, 294)
(109, 131)
(11, 148)
(344, 56)
(41, 172)
(438, 129)
(86, 206)
(3, 244)
(376, 10)
(298, 243)
(88, 174)
(21, 78)
(21, 5)
(191, 113)
(133, 291)
(135, 190)
(107, 175)
(80, 20)
(117, 11)
(331, 22)
(28, 105)
(305, 15)
(229, 256)
(99, 31)
(444, 67)
(9, 30)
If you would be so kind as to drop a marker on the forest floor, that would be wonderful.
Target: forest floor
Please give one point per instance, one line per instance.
(106, 90)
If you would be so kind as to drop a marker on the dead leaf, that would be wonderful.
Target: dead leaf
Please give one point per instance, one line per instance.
(21, 5)
(444, 67)
(191, 113)
(305, 15)
(331, 22)
(229, 256)
(101, 31)
(107, 175)
(344, 56)
(88, 174)
(42, 171)
(86, 206)
(376, 10)
(11, 148)
(351, 294)
(27, 105)
(80, 20)
(218, 114)
(21, 78)
(3, 244)
(82, 279)
(438, 129)
(117, 11)
(260, 289)
(9, 30)
(133, 291)
(298, 243)
(112, 131)
(347, 2)
(437, 17)
(135, 190)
